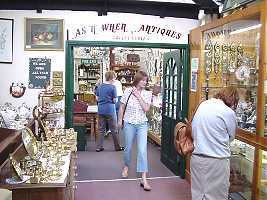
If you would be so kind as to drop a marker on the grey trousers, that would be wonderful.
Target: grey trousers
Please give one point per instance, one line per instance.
(209, 178)
(111, 120)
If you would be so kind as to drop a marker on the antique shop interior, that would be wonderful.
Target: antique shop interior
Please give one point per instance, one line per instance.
(52, 58)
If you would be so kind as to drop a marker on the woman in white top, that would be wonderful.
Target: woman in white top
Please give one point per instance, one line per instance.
(213, 128)
(135, 102)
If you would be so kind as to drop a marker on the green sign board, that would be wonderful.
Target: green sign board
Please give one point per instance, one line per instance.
(39, 72)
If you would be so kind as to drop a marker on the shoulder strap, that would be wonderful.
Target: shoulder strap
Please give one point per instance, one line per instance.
(127, 102)
(191, 119)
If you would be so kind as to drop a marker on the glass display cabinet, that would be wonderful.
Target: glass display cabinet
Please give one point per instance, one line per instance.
(231, 57)
(89, 65)
(232, 51)
(241, 168)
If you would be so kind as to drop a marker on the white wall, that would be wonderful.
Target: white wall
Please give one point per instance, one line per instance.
(18, 71)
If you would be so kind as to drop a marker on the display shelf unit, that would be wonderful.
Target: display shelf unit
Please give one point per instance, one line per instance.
(87, 73)
(60, 189)
(154, 118)
(218, 43)
(125, 73)
(63, 190)
(53, 107)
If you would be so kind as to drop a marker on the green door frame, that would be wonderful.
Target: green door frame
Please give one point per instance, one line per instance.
(69, 67)
(69, 70)
(169, 157)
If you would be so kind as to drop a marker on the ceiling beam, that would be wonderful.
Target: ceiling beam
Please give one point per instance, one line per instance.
(162, 9)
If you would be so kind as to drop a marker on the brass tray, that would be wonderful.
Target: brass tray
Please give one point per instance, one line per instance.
(30, 142)
(17, 168)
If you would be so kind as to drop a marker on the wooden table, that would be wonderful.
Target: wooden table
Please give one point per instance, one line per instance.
(62, 189)
(88, 119)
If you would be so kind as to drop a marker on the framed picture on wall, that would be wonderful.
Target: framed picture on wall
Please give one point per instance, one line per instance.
(44, 34)
(6, 40)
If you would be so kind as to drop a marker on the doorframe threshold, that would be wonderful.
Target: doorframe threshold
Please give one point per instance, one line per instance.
(126, 179)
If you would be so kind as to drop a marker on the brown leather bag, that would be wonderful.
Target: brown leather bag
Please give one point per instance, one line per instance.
(183, 141)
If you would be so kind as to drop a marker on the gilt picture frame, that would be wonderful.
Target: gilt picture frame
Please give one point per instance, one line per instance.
(6, 40)
(43, 34)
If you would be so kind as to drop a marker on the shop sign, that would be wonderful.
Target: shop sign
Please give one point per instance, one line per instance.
(142, 30)
(89, 61)
(39, 72)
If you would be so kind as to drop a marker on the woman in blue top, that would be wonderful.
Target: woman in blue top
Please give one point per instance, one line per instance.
(106, 98)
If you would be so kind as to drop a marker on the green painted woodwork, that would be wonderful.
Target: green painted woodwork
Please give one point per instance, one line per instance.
(180, 55)
(175, 106)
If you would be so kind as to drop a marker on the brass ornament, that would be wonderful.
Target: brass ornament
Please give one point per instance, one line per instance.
(30, 143)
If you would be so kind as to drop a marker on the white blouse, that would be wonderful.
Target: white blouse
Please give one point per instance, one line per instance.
(134, 114)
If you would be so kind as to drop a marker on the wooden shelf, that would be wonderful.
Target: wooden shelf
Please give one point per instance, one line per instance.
(252, 139)
(123, 67)
(154, 137)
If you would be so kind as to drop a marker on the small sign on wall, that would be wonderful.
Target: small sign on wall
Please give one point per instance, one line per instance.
(193, 81)
(194, 69)
(57, 79)
(194, 64)
(39, 72)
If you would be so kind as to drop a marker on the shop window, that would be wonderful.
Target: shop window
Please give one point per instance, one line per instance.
(241, 169)
(231, 57)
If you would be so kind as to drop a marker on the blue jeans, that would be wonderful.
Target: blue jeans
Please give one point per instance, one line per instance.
(140, 131)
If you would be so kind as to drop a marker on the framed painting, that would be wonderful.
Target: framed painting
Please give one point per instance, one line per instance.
(44, 34)
(6, 40)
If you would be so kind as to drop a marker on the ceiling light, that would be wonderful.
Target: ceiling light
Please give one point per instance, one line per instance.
(245, 29)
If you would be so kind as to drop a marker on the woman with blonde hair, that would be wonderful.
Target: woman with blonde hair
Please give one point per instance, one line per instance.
(135, 102)
(213, 128)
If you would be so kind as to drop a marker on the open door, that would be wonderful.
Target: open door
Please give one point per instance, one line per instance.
(175, 106)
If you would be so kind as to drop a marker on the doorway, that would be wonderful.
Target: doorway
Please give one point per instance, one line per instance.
(175, 92)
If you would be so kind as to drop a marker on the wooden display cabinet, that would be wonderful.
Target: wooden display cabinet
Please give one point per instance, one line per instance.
(41, 191)
(232, 51)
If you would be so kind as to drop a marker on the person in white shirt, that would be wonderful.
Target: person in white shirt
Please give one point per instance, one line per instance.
(118, 86)
(213, 128)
